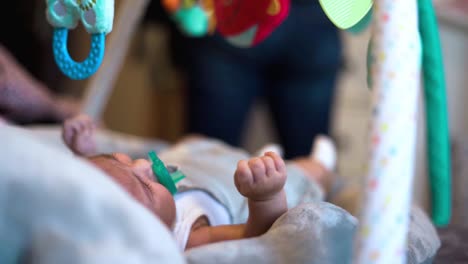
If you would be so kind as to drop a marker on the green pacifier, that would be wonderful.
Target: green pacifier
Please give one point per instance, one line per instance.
(167, 176)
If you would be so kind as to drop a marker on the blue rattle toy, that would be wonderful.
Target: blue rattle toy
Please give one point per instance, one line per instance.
(96, 16)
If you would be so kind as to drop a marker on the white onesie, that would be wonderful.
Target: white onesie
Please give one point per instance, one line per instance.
(190, 206)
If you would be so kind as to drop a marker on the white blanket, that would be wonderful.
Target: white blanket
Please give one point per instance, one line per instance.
(55, 208)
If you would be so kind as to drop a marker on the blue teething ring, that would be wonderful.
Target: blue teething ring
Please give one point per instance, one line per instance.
(78, 70)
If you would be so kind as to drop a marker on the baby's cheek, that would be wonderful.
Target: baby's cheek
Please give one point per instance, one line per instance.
(172, 213)
(166, 206)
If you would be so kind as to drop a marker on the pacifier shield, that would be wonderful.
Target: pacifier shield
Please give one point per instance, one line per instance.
(162, 174)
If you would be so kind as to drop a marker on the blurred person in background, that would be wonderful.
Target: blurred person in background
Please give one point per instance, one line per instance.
(293, 71)
(29, 77)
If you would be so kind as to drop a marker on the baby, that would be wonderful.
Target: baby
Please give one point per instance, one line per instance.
(195, 215)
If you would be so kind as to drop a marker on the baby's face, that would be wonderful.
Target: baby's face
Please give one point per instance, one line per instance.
(136, 176)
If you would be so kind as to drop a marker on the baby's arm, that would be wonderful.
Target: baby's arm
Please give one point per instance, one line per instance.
(78, 135)
(261, 180)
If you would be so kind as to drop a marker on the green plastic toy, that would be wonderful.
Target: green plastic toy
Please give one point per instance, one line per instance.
(346, 14)
(167, 176)
(438, 138)
(192, 21)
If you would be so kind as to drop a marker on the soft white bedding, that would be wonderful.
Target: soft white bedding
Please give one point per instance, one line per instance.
(55, 208)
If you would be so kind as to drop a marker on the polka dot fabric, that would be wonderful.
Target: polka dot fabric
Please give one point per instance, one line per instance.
(395, 71)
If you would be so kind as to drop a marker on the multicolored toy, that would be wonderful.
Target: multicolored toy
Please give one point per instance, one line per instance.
(247, 23)
(96, 16)
(242, 23)
(395, 71)
(399, 39)
(190, 15)
(434, 91)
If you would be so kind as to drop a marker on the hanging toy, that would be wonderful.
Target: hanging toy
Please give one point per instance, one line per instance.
(354, 16)
(351, 15)
(192, 17)
(242, 23)
(96, 16)
(247, 23)
(385, 217)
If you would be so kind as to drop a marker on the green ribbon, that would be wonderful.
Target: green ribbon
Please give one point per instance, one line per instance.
(438, 139)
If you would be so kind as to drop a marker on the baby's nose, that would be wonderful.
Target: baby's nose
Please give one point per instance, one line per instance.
(142, 167)
(141, 163)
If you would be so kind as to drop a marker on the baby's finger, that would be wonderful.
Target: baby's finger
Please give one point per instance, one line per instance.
(67, 132)
(258, 168)
(89, 127)
(269, 166)
(279, 162)
(243, 175)
(81, 126)
(87, 132)
(73, 128)
(88, 121)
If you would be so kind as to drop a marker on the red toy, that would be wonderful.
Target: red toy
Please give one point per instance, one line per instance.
(248, 22)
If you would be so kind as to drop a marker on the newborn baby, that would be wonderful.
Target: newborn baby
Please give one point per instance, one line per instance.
(197, 215)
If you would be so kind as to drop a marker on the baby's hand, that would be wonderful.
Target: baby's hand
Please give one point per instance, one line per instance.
(78, 134)
(260, 179)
